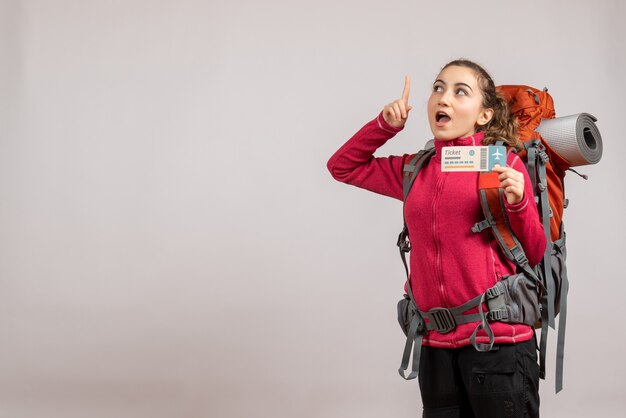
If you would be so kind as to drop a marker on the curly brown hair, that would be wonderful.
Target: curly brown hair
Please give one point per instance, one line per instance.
(502, 126)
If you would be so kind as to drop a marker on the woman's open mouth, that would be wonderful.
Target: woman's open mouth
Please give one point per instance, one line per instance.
(441, 118)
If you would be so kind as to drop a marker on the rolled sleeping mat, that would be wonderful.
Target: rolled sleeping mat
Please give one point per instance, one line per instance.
(575, 138)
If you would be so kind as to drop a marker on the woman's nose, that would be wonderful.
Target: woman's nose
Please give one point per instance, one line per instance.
(444, 99)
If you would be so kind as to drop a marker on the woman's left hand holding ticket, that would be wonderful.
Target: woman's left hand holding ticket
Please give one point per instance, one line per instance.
(512, 182)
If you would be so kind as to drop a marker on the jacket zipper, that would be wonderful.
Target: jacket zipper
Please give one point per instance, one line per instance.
(438, 269)
(438, 272)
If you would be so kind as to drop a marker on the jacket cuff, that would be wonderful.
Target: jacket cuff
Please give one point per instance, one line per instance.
(382, 124)
(517, 207)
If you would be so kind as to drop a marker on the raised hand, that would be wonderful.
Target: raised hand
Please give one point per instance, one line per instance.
(512, 182)
(397, 112)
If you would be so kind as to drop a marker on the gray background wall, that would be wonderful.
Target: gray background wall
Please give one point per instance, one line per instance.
(171, 244)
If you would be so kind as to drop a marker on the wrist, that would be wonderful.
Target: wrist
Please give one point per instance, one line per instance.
(516, 206)
(385, 125)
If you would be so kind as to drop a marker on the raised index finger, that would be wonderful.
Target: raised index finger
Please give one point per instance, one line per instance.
(407, 89)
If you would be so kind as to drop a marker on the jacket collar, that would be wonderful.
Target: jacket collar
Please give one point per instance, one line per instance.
(472, 140)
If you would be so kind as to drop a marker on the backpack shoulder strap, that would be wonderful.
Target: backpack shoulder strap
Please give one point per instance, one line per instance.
(491, 197)
(412, 169)
(410, 172)
(416, 328)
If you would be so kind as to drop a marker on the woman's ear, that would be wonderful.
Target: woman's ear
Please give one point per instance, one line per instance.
(484, 117)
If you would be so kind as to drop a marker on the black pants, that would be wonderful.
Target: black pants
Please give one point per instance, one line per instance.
(465, 383)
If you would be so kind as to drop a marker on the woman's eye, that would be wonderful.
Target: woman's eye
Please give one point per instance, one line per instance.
(437, 88)
(461, 92)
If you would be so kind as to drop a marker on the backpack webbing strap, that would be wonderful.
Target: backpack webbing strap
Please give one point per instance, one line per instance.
(546, 266)
(484, 324)
(410, 171)
(548, 298)
(444, 320)
(413, 338)
(492, 202)
(531, 153)
(547, 305)
(417, 327)
(414, 166)
(560, 345)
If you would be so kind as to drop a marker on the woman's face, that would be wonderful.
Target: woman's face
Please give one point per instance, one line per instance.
(455, 104)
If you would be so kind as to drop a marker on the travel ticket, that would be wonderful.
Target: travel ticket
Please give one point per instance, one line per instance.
(472, 158)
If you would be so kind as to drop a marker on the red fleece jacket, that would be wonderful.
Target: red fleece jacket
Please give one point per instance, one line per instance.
(449, 263)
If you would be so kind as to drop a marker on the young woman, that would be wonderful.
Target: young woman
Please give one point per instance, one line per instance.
(451, 264)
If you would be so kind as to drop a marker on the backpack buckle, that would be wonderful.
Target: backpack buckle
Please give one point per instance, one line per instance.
(519, 256)
(542, 187)
(499, 315)
(541, 153)
(441, 320)
(496, 290)
(403, 242)
(484, 224)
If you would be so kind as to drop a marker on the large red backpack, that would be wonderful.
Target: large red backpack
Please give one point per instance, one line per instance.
(547, 170)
